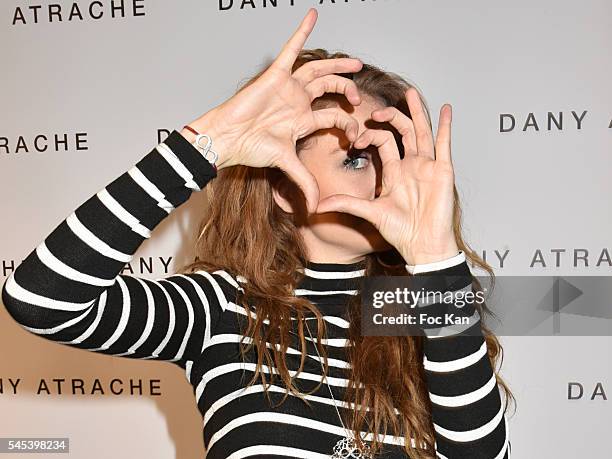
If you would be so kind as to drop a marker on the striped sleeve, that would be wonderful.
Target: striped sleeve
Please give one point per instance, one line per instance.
(69, 288)
(467, 409)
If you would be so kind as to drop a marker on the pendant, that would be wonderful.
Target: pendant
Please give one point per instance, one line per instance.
(346, 448)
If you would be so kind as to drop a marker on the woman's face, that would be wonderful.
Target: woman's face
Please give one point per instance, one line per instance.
(338, 236)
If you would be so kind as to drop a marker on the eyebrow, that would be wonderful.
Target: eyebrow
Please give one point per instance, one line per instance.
(366, 149)
(338, 150)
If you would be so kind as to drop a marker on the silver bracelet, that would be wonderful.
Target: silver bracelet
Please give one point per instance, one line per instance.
(206, 149)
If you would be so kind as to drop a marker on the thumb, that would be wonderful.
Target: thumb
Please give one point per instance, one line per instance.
(363, 208)
(296, 170)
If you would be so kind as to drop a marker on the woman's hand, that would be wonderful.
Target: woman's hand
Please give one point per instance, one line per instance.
(414, 211)
(260, 125)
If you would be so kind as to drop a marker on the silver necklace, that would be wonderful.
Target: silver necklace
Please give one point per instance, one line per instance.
(345, 448)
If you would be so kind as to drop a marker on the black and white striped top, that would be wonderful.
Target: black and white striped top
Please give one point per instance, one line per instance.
(69, 290)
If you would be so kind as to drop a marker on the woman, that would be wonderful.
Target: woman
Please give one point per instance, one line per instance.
(309, 197)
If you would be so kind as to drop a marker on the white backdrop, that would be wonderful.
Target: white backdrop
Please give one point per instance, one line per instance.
(108, 83)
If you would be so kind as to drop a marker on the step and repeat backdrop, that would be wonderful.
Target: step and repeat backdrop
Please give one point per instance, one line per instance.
(89, 87)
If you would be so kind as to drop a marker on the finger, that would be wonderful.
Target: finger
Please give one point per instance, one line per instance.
(383, 140)
(333, 83)
(294, 45)
(296, 170)
(443, 137)
(327, 118)
(424, 136)
(402, 123)
(320, 67)
(363, 208)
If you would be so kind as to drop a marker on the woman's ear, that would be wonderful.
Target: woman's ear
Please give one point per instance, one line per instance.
(290, 197)
(281, 192)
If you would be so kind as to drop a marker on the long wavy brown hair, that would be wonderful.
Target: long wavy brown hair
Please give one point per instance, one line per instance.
(245, 232)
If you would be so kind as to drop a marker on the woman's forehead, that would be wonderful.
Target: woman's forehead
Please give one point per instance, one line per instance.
(335, 138)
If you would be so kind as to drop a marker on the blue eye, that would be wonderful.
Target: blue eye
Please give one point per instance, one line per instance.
(354, 162)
